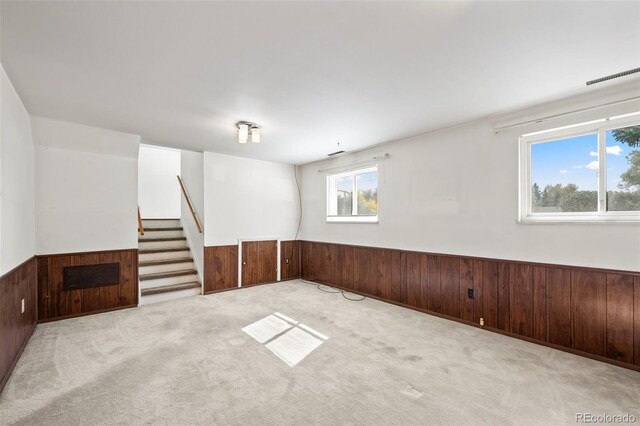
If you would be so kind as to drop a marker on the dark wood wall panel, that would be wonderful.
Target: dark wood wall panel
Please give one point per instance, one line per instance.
(220, 268)
(588, 306)
(289, 250)
(539, 303)
(468, 280)
(504, 298)
(413, 265)
(490, 293)
(56, 303)
(558, 283)
(521, 299)
(432, 297)
(259, 262)
(450, 286)
(587, 311)
(620, 317)
(15, 326)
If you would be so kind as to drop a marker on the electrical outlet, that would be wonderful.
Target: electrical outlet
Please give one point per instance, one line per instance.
(471, 293)
(23, 306)
(286, 260)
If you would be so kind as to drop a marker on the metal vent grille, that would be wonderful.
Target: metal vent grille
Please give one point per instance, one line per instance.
(612, 76)
(334, 153)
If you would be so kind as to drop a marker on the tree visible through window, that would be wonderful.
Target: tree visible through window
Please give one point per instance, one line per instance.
(353, 195)
(623, 175)
(566, 174)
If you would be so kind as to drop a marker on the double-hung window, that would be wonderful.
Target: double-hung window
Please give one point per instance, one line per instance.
(582, 173)
(352, 196)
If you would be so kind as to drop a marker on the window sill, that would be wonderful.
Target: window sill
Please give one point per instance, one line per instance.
(579, 220)
(361, 219)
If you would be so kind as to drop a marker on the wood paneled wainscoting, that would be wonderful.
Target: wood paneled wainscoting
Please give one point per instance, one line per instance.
(586, 311)
(221, 265)
(290, 257)
(112, 283)
(16, 326)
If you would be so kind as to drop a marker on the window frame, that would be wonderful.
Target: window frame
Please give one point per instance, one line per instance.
(354, 217)
(601, 215)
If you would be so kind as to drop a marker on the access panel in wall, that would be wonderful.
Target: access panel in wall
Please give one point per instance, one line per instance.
(259, 262)
(76, 284)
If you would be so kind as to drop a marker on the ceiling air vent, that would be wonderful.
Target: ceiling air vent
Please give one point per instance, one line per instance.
(334, 153)
(612, 76)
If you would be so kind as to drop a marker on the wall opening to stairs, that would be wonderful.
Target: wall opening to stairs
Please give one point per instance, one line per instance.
(167, 266)
(158, 188)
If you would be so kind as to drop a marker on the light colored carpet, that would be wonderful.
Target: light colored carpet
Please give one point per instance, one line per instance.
(189, 362)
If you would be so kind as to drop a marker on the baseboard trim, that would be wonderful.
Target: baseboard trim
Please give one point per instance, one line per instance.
(247, 286)
(84, 314)
(491, 329)
(6, 377)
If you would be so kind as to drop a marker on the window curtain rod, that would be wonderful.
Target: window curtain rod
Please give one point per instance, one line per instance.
(356, 163)
(564, 114)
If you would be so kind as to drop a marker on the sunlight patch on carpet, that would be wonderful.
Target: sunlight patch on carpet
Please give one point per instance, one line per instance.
(288, 339)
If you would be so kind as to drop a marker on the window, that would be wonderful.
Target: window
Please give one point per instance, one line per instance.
(353, 196)
(587, 172)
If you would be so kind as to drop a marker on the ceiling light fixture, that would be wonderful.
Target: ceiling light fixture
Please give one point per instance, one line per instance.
(246, 127)
(255, 134)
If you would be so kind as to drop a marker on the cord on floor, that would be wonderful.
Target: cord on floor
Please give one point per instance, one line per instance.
(333, 290)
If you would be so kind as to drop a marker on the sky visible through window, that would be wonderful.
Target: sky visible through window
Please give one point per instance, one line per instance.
(366, 181)
(575, 160)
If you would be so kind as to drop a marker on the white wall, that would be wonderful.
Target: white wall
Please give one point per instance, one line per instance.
(192, 166)
(158, 188)
(86, 187)
(17, 220)
(456, 191)
(247, 198)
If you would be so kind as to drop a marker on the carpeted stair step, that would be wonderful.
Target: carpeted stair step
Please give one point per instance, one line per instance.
(153, 254)
(153, 240)
(150, 243)
(171, 274)
(165, 261)
(165, 250)
(150, 266)
(169, 288)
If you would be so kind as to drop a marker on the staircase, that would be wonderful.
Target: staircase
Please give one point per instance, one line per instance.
(166, 269)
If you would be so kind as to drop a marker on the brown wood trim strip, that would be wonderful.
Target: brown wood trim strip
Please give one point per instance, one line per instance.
(83, 314)
(167, 250)
(240, 288)
(15, 268)
(170, 288)
(162, 229)
(158, 275)
(165, 261)
(5, 379)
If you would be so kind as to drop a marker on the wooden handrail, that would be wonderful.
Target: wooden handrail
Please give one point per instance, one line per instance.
(140, 227)
(193, 212)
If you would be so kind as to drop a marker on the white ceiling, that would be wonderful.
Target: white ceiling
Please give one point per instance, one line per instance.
(311, 74)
